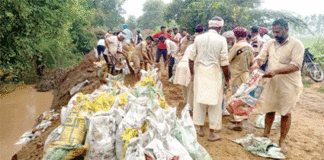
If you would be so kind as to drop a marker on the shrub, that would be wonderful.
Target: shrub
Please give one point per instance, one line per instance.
(318, 49)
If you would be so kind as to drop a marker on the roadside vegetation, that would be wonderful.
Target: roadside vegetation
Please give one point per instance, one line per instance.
(48, 35)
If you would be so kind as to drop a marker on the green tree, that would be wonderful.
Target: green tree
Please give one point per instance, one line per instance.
(318, 49)
(131, 22)
(112, 12)
(153, 14)
(243, 13)
(39, 30)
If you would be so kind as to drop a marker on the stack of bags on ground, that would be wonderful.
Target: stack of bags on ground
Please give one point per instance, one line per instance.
(118, 122)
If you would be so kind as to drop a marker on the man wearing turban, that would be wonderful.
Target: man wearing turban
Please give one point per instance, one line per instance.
(128, 33)
(230, 38)
(209, 57)
(240, 58)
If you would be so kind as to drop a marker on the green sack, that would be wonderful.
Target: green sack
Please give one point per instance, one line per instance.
(260, 146)
(191, 144)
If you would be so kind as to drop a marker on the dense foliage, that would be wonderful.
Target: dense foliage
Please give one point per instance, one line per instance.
(318, 49)
(131, 22)
(51, 33)
(152, 14)
(243, 13)
(56, 33)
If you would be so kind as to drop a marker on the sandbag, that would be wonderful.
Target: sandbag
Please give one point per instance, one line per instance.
(103, 102)
(74, 127)
(176, 148)
(123, 99)
(135, 149)
(156, 149)
(152, 73)
(161, 129)
(46, 120)
(185, 135)
(151, 93)
(101, 137)
(76, 101)
(147, 80)
(54, 135)
(102, 131)
(112, 80)
(243, 101)
(187, 122)
(60, 150)
(128, 128)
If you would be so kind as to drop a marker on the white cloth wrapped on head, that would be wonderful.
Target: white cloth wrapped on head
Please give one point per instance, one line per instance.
(216, 23)
(229, 34)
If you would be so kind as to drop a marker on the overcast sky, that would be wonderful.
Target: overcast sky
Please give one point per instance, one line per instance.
(306, 7)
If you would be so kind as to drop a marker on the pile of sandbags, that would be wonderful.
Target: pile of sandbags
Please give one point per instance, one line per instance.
(119, 122)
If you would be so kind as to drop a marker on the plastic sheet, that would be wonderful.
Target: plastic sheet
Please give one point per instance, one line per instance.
(78, 87)
(259, 122)
(260, 146)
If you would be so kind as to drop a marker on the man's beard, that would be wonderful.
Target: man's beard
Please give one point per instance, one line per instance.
(229, 46)
(280, 39)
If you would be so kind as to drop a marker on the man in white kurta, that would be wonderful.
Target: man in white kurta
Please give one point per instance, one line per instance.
(183, 75)
(285, 57)
(210, 56)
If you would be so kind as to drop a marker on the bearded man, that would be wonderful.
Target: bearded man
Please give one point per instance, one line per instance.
(285, 56)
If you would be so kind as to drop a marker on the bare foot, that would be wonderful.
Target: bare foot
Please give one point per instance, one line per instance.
(213, 137)
(191, 113)
(265, 135)
(283, 146)
(200, 132)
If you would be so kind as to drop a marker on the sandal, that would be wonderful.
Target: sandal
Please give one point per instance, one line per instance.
(201, 134)
(216, 137)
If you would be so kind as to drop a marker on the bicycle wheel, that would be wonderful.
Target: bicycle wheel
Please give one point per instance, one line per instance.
(315, 72)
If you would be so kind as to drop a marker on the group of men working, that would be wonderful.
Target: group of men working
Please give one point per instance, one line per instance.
(210, 56)
(203, 59)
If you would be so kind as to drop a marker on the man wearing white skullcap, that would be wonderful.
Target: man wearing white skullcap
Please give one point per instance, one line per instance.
(208, 60)
(230, 39)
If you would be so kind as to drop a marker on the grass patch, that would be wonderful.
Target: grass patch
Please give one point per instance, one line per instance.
(321, 89)
(307, 83)
(8, 88)
(308, 41)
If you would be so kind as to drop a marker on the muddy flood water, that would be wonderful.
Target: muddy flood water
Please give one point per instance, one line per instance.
(18, 112)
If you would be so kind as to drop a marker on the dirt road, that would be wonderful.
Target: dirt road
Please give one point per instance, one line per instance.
(304, 141)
